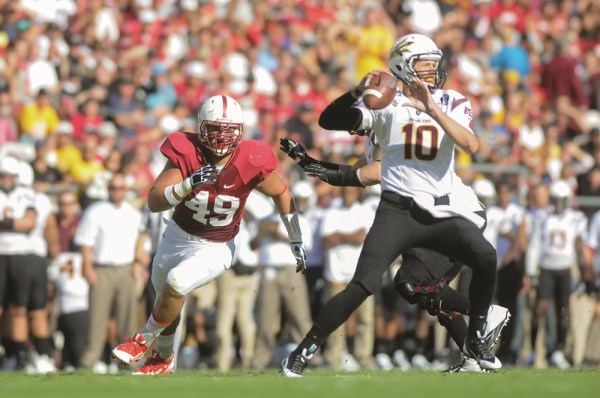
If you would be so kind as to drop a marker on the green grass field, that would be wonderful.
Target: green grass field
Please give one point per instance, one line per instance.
(514, 383)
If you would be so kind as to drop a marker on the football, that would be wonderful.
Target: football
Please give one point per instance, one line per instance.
(380, 90)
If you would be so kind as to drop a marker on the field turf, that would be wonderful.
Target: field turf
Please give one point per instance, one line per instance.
(513, 383)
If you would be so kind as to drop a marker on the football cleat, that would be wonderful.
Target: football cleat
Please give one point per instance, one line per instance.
(295, 363)
(131, 350)
(155, 365)
(476, 347)
(497, 318)
(467, 365)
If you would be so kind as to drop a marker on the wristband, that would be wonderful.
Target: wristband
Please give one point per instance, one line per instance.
(292, 226)
(183, 188)
(169, 196)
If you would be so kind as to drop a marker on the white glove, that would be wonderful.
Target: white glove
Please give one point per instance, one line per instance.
(300, 254)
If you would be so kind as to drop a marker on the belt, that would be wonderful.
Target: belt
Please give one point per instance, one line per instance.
(407, 202)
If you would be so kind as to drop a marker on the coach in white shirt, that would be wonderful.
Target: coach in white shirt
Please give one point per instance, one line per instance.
(108, 235)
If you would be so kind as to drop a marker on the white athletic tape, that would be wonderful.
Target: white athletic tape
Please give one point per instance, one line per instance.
(374, 92)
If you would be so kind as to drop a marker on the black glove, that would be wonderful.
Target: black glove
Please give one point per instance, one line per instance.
(318, 171)
(296, 151)
(204, 175)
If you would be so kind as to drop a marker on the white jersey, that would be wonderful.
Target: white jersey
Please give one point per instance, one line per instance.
(71, 286)
(508, 220)
(558, 235)
(462, 198)
(14, 205)
(43, 207)
(417, 156)
(534, 219)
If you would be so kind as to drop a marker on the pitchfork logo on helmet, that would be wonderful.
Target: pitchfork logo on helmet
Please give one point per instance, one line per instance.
(411, 48)
(220, 124)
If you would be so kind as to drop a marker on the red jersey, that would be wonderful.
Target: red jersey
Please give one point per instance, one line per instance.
(214, 211)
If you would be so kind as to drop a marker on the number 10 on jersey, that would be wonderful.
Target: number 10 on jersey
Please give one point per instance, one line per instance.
(416, 140)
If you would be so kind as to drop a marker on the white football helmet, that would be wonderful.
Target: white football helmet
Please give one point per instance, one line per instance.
(304, 189)
(220, 124)
(413, 47)
(560, 190)
(560, 195)
(9, 166)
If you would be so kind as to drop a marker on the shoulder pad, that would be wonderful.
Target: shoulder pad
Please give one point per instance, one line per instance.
(259, 153)
(181, 143)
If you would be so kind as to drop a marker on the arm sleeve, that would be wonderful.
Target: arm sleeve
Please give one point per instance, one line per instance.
(341, 114)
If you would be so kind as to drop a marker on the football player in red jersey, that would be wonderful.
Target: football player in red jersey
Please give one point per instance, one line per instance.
(207, 178)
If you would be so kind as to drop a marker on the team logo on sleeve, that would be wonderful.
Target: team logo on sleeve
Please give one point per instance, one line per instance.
(469, 112)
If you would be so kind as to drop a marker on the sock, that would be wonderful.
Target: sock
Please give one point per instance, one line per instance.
(476, 324)
(456, 327)
(153, 328)
(313, 340)
(164, 345)
(43, 346)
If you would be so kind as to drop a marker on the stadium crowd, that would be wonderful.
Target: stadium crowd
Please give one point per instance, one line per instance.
(89, 89)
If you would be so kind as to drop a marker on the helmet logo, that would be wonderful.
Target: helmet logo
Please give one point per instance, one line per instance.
(224, 106)
(402, 47)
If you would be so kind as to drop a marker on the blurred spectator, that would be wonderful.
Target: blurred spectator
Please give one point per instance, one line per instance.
(87, 120)
(125, 110)
(45, 177)
(83, 170)
(373, 41)
(66, 152)
(8, 124)
(38, 119)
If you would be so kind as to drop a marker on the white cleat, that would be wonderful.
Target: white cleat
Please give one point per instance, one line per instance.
(497, 318)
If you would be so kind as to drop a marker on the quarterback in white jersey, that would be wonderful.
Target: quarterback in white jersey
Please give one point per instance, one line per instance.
(417, 134)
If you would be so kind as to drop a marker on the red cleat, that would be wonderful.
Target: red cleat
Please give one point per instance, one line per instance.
(155, 365)
(131, 350)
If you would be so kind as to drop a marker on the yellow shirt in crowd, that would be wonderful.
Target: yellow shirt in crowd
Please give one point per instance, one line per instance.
(38, 122)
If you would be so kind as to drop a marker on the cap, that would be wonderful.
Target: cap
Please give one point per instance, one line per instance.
(64, 127)
(107, 130)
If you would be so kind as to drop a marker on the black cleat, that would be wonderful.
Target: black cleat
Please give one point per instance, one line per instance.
(295, 363)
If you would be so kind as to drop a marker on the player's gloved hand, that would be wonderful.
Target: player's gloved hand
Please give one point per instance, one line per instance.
(300, 254)
(204, 175)
(296, 151)
(318, 171)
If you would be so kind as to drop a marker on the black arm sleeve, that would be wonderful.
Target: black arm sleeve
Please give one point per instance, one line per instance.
(345, 177)
(341, 115)
(334, 166)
